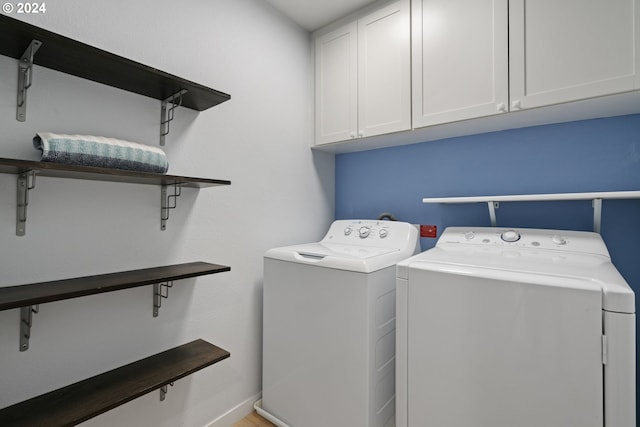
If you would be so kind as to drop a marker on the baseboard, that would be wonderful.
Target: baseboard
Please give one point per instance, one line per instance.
(235, 414)
(264, 414)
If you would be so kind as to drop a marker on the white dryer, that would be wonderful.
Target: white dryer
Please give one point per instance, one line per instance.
(514, 327)
(329, 326)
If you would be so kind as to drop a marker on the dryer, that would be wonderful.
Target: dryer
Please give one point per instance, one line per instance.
(329, 326)
(514, 327)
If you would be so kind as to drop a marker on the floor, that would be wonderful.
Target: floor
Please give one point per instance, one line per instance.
(253, 420)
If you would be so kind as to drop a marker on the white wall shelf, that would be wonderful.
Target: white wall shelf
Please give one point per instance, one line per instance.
(494, 201)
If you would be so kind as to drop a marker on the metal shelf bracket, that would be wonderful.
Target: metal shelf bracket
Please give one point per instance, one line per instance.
(160, 291)
(166, 112)
(168, 202)
(492, 211)
(163, 391)
(597, 214)
(26, 182)
(596, 204)
(25, 78)
(26, 321)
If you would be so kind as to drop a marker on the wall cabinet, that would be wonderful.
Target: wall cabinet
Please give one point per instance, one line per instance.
(471, 62)
(474, 58)
(337, 84)
(460, 60)
(570, 50)
(363, 83)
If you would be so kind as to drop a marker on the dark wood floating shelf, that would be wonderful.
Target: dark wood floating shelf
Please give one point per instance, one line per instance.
(73, 57)
(27, 170)
(60, 170)
(39, 293)
(86, 399)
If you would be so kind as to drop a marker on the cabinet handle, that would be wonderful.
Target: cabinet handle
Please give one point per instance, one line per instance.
(352, 135)
(515, 105)
(360, 134)
(502, 107)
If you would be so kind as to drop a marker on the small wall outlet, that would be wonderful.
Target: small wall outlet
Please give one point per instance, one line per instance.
(428, 231)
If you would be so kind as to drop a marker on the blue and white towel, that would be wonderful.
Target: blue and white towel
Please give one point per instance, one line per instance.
(97, 151)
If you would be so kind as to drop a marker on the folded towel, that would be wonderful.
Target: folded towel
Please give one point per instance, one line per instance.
(87, 150)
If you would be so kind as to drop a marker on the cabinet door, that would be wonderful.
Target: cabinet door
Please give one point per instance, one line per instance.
(336, 84)
(460, 60)
(571, 49)
(384, 70)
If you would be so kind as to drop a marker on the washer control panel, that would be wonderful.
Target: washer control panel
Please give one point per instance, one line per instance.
(371, 233)
(364, 229)
(563, 240)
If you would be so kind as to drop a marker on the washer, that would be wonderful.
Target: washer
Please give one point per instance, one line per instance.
(329, 326)
(515, 327)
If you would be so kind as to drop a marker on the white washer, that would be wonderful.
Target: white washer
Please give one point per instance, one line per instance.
(514, 327)
(329, 326)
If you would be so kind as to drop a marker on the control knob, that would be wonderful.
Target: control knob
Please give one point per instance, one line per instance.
(559, 240)
(510, 236)
(347, 231)
(364, 232)
(383, 233)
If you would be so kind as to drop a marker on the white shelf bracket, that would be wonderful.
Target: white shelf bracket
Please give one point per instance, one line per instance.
(26, 182)
(597, 214)
(160, 291)
(25, 78)
(26, 321)
(492, 211)
(167, 111)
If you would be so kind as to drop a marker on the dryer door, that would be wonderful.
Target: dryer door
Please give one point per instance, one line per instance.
(502, 350)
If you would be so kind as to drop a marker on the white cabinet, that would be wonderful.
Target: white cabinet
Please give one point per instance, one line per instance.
(460, 60)
(474, 58)
(384, 70)
(567, 50)
(337, 84)
(363, 85)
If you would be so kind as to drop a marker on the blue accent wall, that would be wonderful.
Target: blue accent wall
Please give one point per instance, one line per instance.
(583, 156)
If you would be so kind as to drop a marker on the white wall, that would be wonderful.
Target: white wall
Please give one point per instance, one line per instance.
(281, 193)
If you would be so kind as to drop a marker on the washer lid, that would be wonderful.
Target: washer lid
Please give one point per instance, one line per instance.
(364, 259)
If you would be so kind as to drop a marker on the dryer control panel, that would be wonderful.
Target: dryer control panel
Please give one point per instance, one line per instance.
(563, 240)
